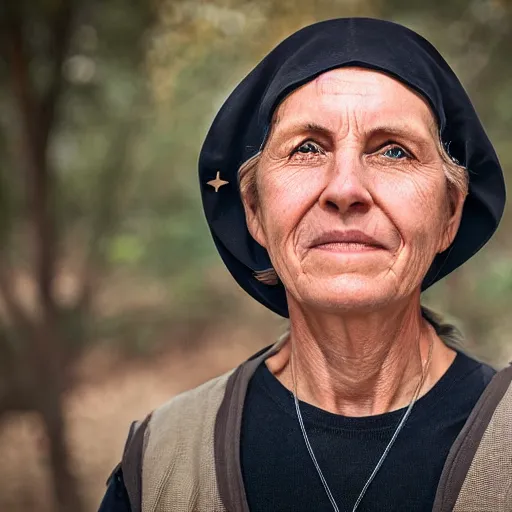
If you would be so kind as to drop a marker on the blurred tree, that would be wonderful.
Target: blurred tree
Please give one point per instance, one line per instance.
(49, 49)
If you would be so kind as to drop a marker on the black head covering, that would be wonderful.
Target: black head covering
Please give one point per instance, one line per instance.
(239, 130)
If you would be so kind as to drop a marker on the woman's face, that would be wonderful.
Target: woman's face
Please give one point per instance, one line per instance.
(352, 202)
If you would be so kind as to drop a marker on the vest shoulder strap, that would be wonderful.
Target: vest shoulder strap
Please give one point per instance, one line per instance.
(477, 475)
(168, 462)
(131, 463)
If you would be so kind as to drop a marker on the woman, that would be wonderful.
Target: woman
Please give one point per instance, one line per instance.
(345, 174)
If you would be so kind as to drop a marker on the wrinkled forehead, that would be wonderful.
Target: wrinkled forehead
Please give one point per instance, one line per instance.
(367, 96)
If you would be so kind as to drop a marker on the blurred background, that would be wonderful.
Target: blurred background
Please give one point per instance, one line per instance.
(112, 297)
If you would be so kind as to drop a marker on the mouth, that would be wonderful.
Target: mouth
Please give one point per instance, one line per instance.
(346, 242)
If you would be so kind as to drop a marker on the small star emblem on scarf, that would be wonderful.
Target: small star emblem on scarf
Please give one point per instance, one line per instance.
(217, 182)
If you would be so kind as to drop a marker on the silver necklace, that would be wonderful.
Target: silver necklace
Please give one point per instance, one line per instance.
(424, 371)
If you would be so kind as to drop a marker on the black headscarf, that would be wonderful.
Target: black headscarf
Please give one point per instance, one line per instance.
(239, 130)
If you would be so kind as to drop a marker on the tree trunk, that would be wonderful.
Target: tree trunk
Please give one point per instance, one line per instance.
(65, 485)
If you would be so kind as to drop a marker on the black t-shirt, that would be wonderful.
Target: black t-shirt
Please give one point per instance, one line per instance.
(280, 476)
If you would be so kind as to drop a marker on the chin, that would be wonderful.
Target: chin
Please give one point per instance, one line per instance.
(347, 293)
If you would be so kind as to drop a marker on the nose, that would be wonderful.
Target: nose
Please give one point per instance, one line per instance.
(346, 189)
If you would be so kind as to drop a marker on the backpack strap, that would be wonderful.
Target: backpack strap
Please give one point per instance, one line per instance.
(131, 463)
(469, 454)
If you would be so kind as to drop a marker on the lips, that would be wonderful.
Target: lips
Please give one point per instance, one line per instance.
(346, 237)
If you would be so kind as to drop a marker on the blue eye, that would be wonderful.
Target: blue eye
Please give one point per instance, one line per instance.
(395, 152)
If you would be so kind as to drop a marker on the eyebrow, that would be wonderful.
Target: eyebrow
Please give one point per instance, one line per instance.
(405, 131)
(299, 127)
(294, 128)
(314, 127)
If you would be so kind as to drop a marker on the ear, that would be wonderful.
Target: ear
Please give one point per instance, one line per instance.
(253, 215)
(456, 204)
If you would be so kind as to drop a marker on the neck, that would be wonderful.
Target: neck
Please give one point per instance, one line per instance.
(360, 365)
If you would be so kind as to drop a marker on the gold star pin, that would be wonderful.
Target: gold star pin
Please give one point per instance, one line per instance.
(217, 182)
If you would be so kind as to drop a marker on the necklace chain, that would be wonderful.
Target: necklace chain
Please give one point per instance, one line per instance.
(424, 372)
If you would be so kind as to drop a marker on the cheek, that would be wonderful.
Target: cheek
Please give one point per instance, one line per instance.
(286, 197)
(416, 204)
